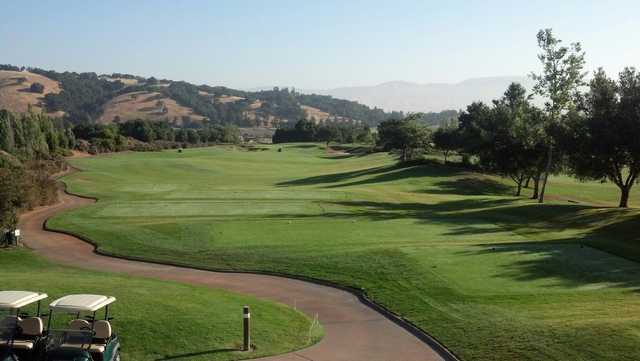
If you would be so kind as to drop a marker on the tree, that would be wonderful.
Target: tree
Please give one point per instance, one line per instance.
(12, 195)
(326, 134)
(405, 135)
(506, 138)
(602, 143)
(36, 88)
(446, 139)
(230, 134)
(559, 81)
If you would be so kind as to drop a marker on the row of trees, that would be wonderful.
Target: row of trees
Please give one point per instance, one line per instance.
(590, 134)
(31, 146)
(308, 131)
(32, 135)
(150, 135)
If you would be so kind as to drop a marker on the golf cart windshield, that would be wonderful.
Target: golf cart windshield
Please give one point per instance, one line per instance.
(8, 327)
(77, 339)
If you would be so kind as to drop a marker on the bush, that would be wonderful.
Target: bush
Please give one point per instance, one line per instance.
(36, 88)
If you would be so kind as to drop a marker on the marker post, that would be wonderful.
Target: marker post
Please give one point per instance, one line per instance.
(246, 316)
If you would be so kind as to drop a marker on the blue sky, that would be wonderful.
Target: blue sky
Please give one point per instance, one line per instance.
(311, 44)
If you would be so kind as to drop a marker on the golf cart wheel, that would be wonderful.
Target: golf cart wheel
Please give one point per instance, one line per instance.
(117, 358)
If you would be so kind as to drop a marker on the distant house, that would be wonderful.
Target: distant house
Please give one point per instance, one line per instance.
(257, 135)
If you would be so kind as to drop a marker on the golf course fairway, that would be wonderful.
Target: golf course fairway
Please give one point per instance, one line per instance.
(492, 276)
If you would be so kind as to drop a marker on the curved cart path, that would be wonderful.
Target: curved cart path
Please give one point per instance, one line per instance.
(353, 330)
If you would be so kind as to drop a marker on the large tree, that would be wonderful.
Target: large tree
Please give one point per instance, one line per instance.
(562, 75)
(603, 142)
(506, 138)
(406, 135)
(447, 140)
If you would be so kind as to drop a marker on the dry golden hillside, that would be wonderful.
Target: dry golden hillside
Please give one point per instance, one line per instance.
(315, 114)
(15, 94)
(146, 105)
(125, 81)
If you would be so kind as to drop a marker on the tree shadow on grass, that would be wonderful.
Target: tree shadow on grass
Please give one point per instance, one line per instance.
(601, 249)
(565, 263)
(374, 175)
(194, 354)
(472, 185)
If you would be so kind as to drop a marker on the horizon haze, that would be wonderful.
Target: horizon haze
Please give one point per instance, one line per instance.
(310, 45)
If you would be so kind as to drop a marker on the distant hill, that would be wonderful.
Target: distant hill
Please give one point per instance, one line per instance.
(15, 94)
(105, 98)
(146, 105)
(435, 97)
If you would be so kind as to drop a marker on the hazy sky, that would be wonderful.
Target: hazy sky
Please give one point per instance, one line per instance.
(311, 44)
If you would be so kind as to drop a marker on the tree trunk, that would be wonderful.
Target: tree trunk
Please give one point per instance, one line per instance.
(624, 196)
(519, 189)
(445, 157)
(536, 186)
(404, 155)
(526, 183)
(546, 174)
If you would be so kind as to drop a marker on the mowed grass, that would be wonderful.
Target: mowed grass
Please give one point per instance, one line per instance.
(164, 320)
(492, 276)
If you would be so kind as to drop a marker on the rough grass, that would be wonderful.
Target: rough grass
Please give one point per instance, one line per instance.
(163, 320)
(492, 276)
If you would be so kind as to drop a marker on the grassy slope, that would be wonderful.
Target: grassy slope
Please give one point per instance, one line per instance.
(492, 276)
(152, 321)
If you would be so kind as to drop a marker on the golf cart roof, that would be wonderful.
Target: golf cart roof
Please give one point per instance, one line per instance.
(79, 303)
(18, 299)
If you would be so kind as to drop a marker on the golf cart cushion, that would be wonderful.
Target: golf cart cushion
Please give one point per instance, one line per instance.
(32, 326)
(102, 329)
(18, 344)
(90, 348)
(79, 324)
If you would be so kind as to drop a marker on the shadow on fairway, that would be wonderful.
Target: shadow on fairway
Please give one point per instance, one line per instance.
(565, 264)
(476, 185)
(194, 354)
(376, 175)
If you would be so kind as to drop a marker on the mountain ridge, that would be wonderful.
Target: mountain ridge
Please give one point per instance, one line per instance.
(409, 96)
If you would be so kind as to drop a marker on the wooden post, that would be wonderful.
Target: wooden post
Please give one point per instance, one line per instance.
(246, 316)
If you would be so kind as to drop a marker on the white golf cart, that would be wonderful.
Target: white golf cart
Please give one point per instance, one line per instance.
(84, 337)
(21, 336)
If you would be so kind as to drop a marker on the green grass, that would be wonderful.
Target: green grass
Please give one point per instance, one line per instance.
(492, 276)
(154, 319)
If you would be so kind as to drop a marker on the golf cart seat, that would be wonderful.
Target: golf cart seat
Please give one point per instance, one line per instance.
(31, 327)
(79, 324)
(102, 330)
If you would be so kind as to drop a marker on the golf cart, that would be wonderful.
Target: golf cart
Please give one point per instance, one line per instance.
(84, 337)
(21, 335)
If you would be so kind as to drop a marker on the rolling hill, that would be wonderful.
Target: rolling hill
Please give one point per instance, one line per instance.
(146, 105)
(104, 98)
(15, 94)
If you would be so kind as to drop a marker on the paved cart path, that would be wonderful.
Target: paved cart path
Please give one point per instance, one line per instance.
(353, 330)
